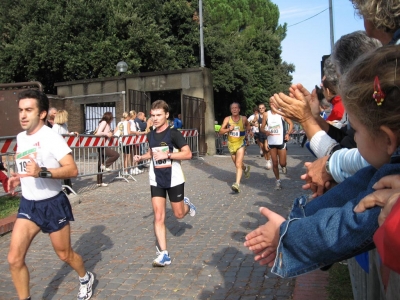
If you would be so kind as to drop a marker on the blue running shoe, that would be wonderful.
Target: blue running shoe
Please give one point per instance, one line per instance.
(162, 259)
(192, 210)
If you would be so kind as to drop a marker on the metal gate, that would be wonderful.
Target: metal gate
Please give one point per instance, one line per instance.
(194, 118)
(94, 112)
(139, 101)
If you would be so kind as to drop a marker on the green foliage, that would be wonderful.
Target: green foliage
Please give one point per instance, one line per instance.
(53, 41)
(8, 206)
(339, 284)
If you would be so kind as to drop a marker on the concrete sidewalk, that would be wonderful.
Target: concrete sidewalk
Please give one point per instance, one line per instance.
(113, 232)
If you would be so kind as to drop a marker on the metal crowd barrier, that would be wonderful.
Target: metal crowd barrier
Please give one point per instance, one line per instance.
(220, 142)
(89, 153)
(296, 136)
(380, 283)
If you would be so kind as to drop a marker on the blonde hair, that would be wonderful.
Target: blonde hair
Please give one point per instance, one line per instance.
(384, 14)
(125, 115)
(357, 88)
(61, 117)
(133, 114)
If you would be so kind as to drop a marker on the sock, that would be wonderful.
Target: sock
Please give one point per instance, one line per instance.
(84, 278)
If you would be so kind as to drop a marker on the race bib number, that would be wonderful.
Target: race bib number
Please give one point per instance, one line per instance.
(235, 132)
(23, 158)
(162, 163)
(274, 130)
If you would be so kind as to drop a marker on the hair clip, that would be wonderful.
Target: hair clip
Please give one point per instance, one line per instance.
(378, 94)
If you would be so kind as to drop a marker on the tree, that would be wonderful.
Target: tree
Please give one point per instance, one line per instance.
(63, 40)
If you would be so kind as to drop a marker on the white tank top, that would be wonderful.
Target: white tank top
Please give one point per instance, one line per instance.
(275, 127)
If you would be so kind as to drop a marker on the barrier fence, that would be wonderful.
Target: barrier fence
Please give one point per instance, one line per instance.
(380, 283)
(90, 153)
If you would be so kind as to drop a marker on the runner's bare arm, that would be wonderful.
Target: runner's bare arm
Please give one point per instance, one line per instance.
(183, 154)
(247, 126)
(145, 156)
(264, 122)
(224, 127)
(68, 168)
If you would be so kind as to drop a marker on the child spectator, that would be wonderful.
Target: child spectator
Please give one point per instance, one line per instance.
(327, 230)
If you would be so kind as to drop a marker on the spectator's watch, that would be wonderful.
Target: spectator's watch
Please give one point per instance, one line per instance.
(44, 173)
(169, 155)
(327, 170)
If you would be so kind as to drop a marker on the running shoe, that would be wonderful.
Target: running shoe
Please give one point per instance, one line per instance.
(136, 171)
(192, 210)
(104, 168)
(247, 172)
(85, 289)
(162, 259)
(236, 188)
(269, 164)
(278, 185)
(284, 170)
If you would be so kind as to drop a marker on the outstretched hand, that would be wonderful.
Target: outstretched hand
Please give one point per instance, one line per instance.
(13, 182)
(264, 240)
(387, 194)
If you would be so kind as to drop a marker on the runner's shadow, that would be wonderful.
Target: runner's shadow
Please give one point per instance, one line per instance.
(175, 227)
(90, 246)
(241, 276)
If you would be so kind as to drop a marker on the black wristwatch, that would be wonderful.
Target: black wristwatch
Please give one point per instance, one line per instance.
(327, 170)
(44, 173)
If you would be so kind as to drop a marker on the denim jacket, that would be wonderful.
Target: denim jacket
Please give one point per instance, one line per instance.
(326, 230)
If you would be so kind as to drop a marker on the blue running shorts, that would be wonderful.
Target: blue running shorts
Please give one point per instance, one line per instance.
(50, 215)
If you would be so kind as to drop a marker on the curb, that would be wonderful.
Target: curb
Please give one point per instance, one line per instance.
(311, 286)
(7, 224)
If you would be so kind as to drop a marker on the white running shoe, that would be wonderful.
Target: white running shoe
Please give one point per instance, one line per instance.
(278, 185)
(284, 170)
(85, 288)
(268, 164)
(102, 184)
(162, 259)
(192, 210)
(103, 168)
(136, 171)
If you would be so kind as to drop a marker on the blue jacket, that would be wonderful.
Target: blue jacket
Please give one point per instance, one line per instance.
(177, 123)
(326, 230)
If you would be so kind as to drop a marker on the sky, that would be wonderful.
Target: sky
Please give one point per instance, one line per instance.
(307, 42)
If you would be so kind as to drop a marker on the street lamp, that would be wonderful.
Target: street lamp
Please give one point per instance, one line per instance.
(122, 67)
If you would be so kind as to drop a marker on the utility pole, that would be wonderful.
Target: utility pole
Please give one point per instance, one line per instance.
(201, 34)
(331, 24)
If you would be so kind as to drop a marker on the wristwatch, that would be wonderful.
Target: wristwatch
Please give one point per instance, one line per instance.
(327, 170)
(44, 173)
(169, 155)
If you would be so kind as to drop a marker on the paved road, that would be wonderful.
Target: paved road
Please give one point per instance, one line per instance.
(113, 232)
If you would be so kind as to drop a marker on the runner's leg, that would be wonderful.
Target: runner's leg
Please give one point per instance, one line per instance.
(61, 241)
(239, 164)
(159, 206)
(22, 235)
(282, 154)
(274, 157)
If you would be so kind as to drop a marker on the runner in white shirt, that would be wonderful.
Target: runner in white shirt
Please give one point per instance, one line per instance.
(42, 159)
(277, 134)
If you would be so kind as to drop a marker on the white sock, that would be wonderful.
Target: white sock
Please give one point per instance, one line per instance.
(84, 278)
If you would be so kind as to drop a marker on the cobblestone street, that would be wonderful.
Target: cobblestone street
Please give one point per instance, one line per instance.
(113, 231)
